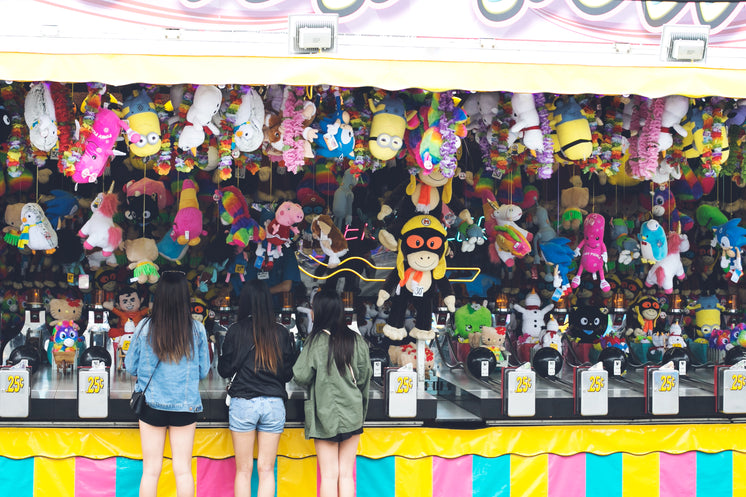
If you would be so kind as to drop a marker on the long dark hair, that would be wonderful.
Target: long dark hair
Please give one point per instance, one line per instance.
(328, 314)
(171, 324)
(256, 317)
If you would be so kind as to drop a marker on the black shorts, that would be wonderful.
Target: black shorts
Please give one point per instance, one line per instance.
(341, 437)
(156, 417)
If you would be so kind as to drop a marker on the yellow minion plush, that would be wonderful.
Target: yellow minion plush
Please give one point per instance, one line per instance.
(572, 129)
(387, 127)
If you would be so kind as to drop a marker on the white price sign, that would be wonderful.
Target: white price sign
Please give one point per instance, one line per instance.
(402, 394)
(15, 393)
(734, 391)
(521, 385)
(93, 393)
(594, 393)
(664, 391)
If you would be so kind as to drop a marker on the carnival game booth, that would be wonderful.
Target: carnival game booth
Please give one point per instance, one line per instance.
(548, 270)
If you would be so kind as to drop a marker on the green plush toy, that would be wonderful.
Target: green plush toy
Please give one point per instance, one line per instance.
(469, 318)
(709, 216)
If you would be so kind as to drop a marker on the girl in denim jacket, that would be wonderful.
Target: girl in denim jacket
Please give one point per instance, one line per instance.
(172, 348)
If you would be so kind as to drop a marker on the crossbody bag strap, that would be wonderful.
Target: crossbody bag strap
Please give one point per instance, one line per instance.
(151, 375)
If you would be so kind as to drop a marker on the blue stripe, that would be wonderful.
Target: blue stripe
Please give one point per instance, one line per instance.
(376, 477)
(129, 472)
(603, 475)
(17, 477)
(714, 474)
(490, 476)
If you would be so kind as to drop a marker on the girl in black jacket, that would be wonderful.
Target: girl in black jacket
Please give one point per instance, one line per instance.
(259, 354)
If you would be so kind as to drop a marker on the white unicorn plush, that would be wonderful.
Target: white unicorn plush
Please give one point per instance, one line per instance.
(100, 230)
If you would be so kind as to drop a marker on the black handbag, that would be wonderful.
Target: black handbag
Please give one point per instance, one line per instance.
(137, 401)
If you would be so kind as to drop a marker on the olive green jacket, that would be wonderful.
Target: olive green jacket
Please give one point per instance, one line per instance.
(336, 403)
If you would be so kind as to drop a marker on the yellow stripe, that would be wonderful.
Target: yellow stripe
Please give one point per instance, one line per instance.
(739, 476)
(296, 477)
(528, 476)
(414, 470)
(430, 75)
(167, 483)
(54, 477)
(641, 475)
(215, 443)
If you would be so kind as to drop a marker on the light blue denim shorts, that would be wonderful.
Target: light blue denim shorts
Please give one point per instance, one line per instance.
(265, 414)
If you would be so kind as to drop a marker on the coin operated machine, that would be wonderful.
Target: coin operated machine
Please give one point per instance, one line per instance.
(96, 335)
(27, 343)
(15, 390)
(287, 315)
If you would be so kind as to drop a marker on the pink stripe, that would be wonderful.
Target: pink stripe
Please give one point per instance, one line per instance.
(95, 477)
(318, 475)
(678, 474)
(451, 477)
(215, 476)
(566, 475)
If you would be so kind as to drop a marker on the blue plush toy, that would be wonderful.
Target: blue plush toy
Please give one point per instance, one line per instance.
(558, 253)
(653, 244)
(336, 139)
(64, 204)
(731, 237)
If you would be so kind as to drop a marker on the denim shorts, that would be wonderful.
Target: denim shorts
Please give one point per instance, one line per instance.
(265, 414)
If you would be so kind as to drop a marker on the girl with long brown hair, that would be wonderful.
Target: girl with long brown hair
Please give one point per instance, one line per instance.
(169, 356)
(258, 353)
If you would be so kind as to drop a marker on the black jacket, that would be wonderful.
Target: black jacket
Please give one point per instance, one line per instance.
(249, 383)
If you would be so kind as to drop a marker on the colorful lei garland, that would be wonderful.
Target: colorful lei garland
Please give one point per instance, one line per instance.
(184, 162)
(292, 135)
(16, 154)
(73, 155)
(712, 139)
(546, 155)
(450, 142)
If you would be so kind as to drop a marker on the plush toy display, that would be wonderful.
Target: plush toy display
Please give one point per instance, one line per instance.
(574, 200)
(206, 104)
(643, 317)
(481, 107)
(99, 147)
(469, 319)
(336, 139)
(662, 272)
(343, 199)
(663, 207)
(707, 315)
(558, 253)
(100, 230)
(675, 109)
(66, 342)
(188, 221)
(420, 266)
(387, 127)
(592, 251)
(402, 355)
(552, 337)
(331, 240)
(532, 317)
(36, 231)
(141, 253)
(588, 323)
(508, 240)
(492, 339)
(526, 122)
(573, 131)
(130, 312)
(248, 134)
(13, 221)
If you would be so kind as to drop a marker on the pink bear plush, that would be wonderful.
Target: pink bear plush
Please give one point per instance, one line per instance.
(592, 251)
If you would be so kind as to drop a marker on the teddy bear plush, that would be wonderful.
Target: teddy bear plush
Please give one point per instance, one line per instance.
(141, 253)
(574, 200)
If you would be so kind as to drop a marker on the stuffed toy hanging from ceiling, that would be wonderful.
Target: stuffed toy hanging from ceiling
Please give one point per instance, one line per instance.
(592, 251)
(100, 230)
(40, 117)
(387, 127)
(279, 233)
(420, 267)
(139, 111)
(663, 271)
(37, 232)
(573, 141)
(16, 143)
(206, 103)
(187, 228)
(337, 138)
(234, 212)
(731, 238)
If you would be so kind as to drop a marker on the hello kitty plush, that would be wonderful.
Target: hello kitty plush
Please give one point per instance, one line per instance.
(527, 124)
(592, 251)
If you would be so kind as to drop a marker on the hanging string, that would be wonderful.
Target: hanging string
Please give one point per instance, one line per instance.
(144, 176)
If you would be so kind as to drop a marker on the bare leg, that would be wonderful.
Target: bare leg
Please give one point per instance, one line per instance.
(243, 447)
(182, 445)
(347, 458)
(328, 459)
(152, 441)
(265, 463)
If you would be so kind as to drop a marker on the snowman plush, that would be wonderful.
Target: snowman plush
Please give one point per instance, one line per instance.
(533, 317)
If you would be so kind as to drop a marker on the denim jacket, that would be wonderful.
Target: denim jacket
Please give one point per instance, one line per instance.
(175, 386)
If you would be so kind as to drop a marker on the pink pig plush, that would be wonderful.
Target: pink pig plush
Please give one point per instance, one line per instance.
(593, 252)
(278, 231)
(100, 145)
(188, 221)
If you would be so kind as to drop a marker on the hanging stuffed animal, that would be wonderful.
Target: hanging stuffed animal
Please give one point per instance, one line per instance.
(139, 111)
(481, 107)
(731, 238)
(592, 251)
(663, 271)
(278, 234)
(337, 138)
(674, 110)
(206, 104)
(526, 122)
(188, 221)
(100, 230)
(573, 131)
(508, 240)
(420, 267)
(545, 231)
(248, 134)
(40, 117)
(332, 242)
(343, 199)
(662, 205)
(37, 232)
(573, 202)
(141, 253)
(653, 243)
(99, 147)
(558, 253)
(627, 246)
(234, 212)
(387, 127)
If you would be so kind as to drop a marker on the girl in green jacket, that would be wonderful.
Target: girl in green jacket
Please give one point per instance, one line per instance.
(334, 367)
